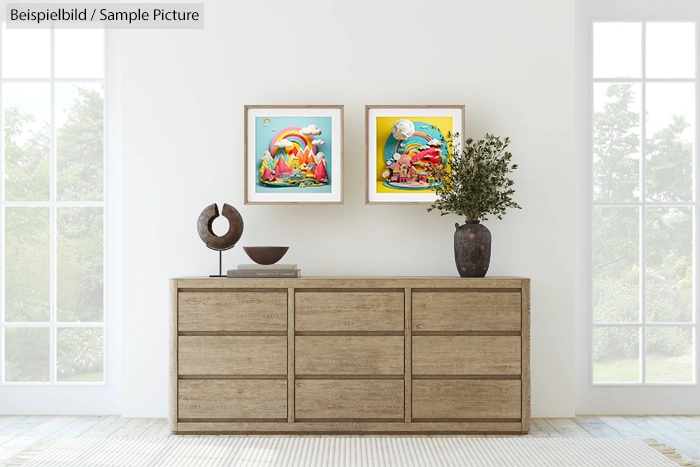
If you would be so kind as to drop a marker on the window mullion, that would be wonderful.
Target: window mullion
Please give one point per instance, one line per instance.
(105, 217)
(2, 224)
(591, 205)
(696, 231)
(53, 214)
(642, 214)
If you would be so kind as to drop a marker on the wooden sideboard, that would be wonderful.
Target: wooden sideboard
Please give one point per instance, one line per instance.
(350, 355)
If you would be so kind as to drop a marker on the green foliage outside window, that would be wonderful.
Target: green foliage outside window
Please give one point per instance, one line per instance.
(79, 239)
(616, 276)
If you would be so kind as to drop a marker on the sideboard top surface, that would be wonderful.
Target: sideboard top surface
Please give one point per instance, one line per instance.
(352, 282)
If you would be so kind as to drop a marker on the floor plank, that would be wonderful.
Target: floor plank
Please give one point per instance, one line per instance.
(536, 431)
(594, 426)
(672, 423)
(133, 428)
(79, 426)
(20, 426)
(568, 428)
(106, 427)
(544, 429)
(687, 423)
(625, 427)
(694, 435)
(6, 420)
(160, 429)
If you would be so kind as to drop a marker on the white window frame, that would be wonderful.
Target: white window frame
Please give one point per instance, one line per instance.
(641, 397)
(75, 397)
(643, 204)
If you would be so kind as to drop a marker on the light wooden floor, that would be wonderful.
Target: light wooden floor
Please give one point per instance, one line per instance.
(18, 433)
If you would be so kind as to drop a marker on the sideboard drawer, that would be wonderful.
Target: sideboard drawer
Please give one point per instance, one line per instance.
(349, 311)
(232, 399)
(349, 355)
(454, 399)
(466, 311)
(349, 399)
(232, 311)
(232, 355)
(466, 355)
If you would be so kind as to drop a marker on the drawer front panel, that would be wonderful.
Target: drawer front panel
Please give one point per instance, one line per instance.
(349, 355)
(232, 311)
(473, 399)
(349, 399)
(349, 311)
(466, 355)
(466, 311)
(232, 399)
(232, 355)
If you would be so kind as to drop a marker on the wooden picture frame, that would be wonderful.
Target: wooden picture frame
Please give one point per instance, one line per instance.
(425, 140)
(293, 154)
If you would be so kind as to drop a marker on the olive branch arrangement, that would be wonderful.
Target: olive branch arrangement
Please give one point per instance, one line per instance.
(476, 182)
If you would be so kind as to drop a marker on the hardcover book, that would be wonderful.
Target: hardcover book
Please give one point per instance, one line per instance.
(266, 267)
(264, 273)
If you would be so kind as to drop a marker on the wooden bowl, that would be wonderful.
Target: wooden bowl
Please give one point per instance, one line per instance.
(265, 254)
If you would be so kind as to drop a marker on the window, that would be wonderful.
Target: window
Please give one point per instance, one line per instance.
(644, 203)
(52, 197)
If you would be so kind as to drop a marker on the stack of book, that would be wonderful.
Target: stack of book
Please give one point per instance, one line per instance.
(265, 271)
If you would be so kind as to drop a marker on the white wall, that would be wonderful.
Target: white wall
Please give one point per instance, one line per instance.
(511, 63)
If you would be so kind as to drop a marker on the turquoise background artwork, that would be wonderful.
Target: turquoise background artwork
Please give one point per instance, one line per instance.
(264, 135)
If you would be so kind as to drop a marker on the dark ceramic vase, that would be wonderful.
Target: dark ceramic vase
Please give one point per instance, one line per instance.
(472, 249)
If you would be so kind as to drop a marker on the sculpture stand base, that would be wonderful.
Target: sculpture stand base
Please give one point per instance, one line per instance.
(220, 271)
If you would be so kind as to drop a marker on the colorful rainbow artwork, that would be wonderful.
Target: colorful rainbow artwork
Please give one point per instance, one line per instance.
(294, 160)
(293, 135)
(409, 162)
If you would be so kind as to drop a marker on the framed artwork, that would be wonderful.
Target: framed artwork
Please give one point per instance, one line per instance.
(293, 154)
(403, 142)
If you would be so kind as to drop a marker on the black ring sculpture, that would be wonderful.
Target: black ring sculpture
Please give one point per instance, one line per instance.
(226, 241)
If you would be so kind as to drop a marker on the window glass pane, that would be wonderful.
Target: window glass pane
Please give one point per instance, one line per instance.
(617, 50)
(79, 53)
(69, 237)
(670, 50)
(616, 355)
(669, 264)
(27, 355)
(80, 142)
(79, 355)
(669, 354)
(670, 140)
(616, 264)
(26, 141)
(616, 147)
(26, 53)
(80, 287)
(27, 264)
